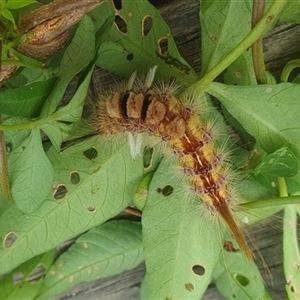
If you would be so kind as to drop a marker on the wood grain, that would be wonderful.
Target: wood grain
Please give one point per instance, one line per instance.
(281, 45)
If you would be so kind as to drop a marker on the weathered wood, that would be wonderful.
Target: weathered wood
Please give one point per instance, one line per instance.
(281, 45)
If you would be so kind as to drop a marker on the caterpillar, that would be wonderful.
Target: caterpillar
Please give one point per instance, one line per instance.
(144, 107)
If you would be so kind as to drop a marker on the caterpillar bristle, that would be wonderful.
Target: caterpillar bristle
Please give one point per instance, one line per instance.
(191, 140)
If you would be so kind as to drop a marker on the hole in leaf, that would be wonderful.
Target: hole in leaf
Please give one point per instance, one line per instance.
(121, 24)
(147, 25)
(163, 45)
(228, 246)
(148, 157)
(292, 289)
(129, 56)
(242, 280)
(198, 270)
(60, 192)
(91, 208)
(189, 287)
(9, 147)
(37, 273)
(74, 177)
(9, 239)
(65, 122)
(91, 153)
(166, 191)
(17, 278)
(117, 4)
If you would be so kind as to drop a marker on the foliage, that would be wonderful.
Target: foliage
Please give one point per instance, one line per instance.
(58, 195)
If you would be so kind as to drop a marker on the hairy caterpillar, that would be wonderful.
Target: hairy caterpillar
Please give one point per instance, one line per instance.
(154, 110)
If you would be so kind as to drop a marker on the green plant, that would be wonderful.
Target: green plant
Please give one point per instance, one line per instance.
(60, 194)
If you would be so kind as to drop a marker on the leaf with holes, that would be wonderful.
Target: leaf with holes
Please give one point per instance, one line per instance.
(25, 281)
(219, 21)
(104, 186)
(248, 105)
(238, 278)
(181, 246)
(104, 251)
(31, 173)
(139, 40)
(13, 138)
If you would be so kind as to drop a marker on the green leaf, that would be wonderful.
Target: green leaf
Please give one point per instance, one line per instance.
(151, 160)
(73, 110)
(13, 138)
(25, 281)
(103, 18)
(57, 126)
(241, 71)
(181, 246)
(57, 132)
(104, 251)
(77, 56)
(253, 189)
(223, 25)
(25, 101)
(290, 13)
(141, 193)
(293, 185)
(238, 278)
(107, 181)
(30, 62)
(281, 162)
(31, 174)
(70, 64)
(291, 254)
(139, 40)
(7, 15)
(260, 109)
(16, 4)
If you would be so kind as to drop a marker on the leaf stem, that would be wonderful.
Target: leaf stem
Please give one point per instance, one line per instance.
(291, 253)
(265, 23)
(4, 183)
(283, 198)
(288, 68)
(28, 61)
(271, 202)
(258, 8)
(30, 125)
(13, 62)
(282, 187)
